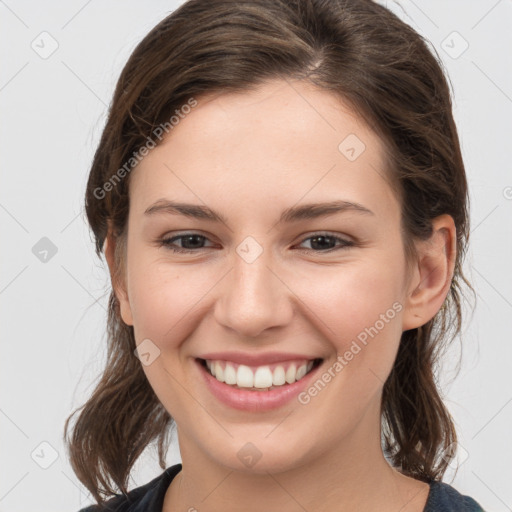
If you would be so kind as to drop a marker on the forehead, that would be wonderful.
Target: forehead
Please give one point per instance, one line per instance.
(281, 142)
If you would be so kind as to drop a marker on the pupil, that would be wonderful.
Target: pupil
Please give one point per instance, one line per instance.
(314, 240)
(189, 238)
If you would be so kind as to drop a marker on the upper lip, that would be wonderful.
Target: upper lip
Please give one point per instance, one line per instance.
(255, 359)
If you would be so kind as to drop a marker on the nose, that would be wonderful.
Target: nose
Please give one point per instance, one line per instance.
(253, 297)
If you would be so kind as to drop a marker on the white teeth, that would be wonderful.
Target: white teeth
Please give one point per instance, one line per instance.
(230, 375)
(301, 371)
(219, 372)
(263, 377)
(278, 379)
(244, 377)
(291, 373)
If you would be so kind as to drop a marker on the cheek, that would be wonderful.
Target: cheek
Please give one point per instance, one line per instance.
(164, 298)
(358, 309)
(348, 298)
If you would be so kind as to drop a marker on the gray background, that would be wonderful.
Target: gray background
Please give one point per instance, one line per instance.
(53, 306)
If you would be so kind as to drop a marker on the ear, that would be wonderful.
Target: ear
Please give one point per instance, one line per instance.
(118, 283)
(432, 274)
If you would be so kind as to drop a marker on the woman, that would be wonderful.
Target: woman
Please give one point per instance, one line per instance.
(280, 197)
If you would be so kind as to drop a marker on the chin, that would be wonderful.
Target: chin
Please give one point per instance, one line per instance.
(257, 455)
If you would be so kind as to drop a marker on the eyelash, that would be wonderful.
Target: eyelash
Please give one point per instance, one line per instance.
(166, 242)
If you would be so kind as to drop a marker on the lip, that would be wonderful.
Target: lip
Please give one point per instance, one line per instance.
(256, 359)
(255, 401)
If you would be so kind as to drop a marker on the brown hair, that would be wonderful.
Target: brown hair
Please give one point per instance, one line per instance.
(367, 56)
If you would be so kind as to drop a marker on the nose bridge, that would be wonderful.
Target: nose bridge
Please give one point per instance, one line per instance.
(252, 297)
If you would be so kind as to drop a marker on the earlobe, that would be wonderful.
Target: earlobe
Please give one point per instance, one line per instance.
(118, 282)
(433, 274)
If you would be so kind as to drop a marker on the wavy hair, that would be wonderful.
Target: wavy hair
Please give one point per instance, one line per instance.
(364, 54)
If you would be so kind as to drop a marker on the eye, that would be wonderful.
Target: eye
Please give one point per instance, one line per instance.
(326, 242)
(194, 242)
(191, 242)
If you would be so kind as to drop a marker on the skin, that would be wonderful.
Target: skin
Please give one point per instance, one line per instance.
(249, 157)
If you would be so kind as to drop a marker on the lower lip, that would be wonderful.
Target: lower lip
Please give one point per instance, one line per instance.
(255, 401)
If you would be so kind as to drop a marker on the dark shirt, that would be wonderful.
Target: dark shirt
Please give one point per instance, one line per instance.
(150, 497)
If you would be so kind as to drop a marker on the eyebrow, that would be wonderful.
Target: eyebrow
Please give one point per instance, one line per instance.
(293, 214)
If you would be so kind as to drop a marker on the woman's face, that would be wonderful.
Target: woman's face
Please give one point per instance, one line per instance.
(272, 283)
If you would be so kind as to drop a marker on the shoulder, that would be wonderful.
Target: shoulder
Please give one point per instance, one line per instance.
(444, 498)
(146, 498)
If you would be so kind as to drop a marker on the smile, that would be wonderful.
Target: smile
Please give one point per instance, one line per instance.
(259, 378)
